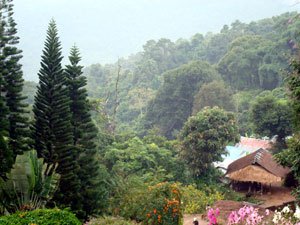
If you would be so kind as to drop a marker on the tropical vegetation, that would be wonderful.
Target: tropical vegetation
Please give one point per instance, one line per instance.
(136, 141)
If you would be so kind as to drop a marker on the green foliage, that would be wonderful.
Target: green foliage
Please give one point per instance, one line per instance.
(11, 71)
(14, 132)
(251, 55)
(290, 157)
(29, 184)
(140, 77)
(271, 116)
(204, 138)
(147, 159)
(155, 204)
(174, 100)
(293, 82)
(102, 123)
(52, 130)
(6, 157)
(242, 101)
(41, 216)
(133, 199)
(163, 205)
(109, 220)
(84, 136)
(215, 46)
(196, 201)
(248, 64)
(128, 196)
(213, 94)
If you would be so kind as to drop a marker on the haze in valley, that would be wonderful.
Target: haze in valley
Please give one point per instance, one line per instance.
(107, 29)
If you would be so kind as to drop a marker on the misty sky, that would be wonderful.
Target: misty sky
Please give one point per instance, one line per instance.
(107, 29)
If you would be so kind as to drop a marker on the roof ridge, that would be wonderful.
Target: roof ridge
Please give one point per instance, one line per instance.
(258, 156)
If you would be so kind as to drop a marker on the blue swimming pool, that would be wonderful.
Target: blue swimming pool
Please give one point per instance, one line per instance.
(234, 153)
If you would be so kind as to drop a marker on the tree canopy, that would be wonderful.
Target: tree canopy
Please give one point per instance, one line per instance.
(204, 138)
(173, 102)
(214, 94)
(271, 116)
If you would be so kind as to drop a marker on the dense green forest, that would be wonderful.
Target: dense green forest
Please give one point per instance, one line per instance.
(138, 138)
(141, 92)
(149, 87)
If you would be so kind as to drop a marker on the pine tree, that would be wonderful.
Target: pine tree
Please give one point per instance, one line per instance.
(52, 130)
(13, 123)
(18, 129)
(6, 156)
(84, 134)
(3, 108)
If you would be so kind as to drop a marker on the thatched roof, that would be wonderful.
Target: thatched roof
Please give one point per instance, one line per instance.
(258, 166)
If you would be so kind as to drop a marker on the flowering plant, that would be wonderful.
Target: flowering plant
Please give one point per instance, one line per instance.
(287, 217)
(163, 206)
(212, 216)
(249, 215)
(246, 215)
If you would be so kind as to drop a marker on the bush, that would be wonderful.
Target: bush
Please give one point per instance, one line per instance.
(128, 196)
(154, 204)
(41, 216)
(163, 205)
(29, 185)
(196, 201)
(109, 220)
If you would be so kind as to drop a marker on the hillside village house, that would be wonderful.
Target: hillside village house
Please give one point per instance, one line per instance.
(256, 169)
(244, 147)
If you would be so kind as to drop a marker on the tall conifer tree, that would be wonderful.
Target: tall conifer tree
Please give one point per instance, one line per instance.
(52, 130)
(18, 129)
(6, 156)
(3, 108)
(13, 122)
(84, 133)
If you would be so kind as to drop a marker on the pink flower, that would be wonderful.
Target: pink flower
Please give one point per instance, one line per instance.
(267, 212)
(233, 218)
(212, 216)
(217, 212)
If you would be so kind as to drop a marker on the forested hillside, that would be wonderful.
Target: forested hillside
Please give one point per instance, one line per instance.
(143, 91)
(140, 139)
(160, 87)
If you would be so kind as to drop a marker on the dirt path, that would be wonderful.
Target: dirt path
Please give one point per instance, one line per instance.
(189, 218)
(278, 196)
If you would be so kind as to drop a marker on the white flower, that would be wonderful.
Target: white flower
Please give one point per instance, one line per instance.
(275, 220)
(277, 217)
(297, 212)
(286, 209)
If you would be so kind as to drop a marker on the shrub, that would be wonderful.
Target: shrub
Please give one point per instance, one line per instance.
(287, 216)
(163, 205)
(109, 220)
(128, 196)
(30, 185)
(154, 204)
(196, 201)
(212, 216)
(41, 216)
(251, 216)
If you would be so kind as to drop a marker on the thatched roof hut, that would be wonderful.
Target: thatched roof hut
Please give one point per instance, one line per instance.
(259, 167)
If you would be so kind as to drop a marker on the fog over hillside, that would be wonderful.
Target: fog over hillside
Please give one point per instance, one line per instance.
(107, 29)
